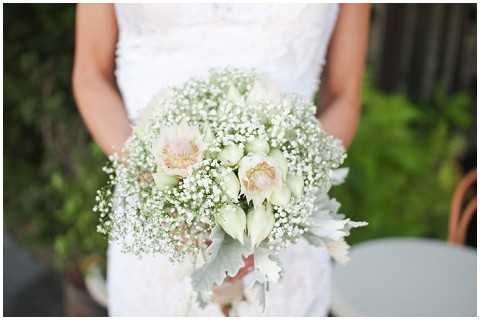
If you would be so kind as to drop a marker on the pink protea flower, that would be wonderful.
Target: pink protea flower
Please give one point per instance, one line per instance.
(259, 176)
(178, 148)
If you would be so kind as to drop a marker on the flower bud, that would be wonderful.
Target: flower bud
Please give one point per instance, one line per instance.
(280, 160)
(232, 219)
(258, 146)
(231, 154)
(295, 184)
(280, 196)
(229, 183)
(234, 96)
(260, 223)
(163, 180)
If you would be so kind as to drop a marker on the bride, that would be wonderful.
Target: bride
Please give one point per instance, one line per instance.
(125, 53)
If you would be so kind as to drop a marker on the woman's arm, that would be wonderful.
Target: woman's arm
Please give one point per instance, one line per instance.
(340, 90)
(93, 80)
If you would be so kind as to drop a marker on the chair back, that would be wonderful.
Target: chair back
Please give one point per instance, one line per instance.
(460, 219)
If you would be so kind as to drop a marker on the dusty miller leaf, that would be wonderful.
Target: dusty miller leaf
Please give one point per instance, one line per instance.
(226, 258)
(269, 268)
(338, 176)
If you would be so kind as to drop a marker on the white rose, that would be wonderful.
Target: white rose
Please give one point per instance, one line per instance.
(295, 184)
(231, 154)
(259, 176)
(257, 146)
(232, 219)
(260, 223)
(280, 196)
(229, 183)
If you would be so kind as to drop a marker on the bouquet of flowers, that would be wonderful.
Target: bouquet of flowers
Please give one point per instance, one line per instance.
(223, 168)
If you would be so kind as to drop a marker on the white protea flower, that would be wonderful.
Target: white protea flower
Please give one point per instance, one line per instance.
(231, 154)
(260, 223)
(280, 196)
(233, 221)
(259, 176)
(282, 163)
(178, 148)
(229, 183)
(258, 146)
(339, 250)
(264, 89)
(295, 184)
(163, 180)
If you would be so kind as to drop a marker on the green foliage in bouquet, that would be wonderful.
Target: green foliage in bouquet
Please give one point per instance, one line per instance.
(403, 164)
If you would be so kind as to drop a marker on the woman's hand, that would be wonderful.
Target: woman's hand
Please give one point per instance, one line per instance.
(232, 289)
(248, 267)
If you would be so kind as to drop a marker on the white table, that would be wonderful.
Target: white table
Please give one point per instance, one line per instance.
(406, 277)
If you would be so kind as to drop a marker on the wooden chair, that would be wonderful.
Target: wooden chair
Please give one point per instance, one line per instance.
(460, 220)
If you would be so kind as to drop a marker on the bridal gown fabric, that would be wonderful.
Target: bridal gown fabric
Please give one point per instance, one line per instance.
(161, 45)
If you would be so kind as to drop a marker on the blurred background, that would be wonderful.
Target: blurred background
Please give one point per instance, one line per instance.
(417, 138)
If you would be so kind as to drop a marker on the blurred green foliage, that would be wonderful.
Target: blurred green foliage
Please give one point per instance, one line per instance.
(403, 160)
(403, 164)
(51, 168)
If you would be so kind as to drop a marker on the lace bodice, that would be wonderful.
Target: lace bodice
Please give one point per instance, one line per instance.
(163, 45)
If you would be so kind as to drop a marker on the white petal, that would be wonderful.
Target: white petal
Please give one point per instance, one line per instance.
(280, 196)
(258, 146)
(231, 154)
(232, 219)
(280, 160)
(234, 96)
(260, 223)
(230, 184)
(295, 184)
(163, 180)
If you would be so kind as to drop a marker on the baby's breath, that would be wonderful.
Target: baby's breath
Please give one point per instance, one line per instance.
(177, 221)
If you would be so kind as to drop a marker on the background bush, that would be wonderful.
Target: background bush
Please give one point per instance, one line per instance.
(403, 161)
(51, 167)
(403, 165)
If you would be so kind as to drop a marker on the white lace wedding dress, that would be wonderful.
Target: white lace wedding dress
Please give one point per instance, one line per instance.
(162, 45)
